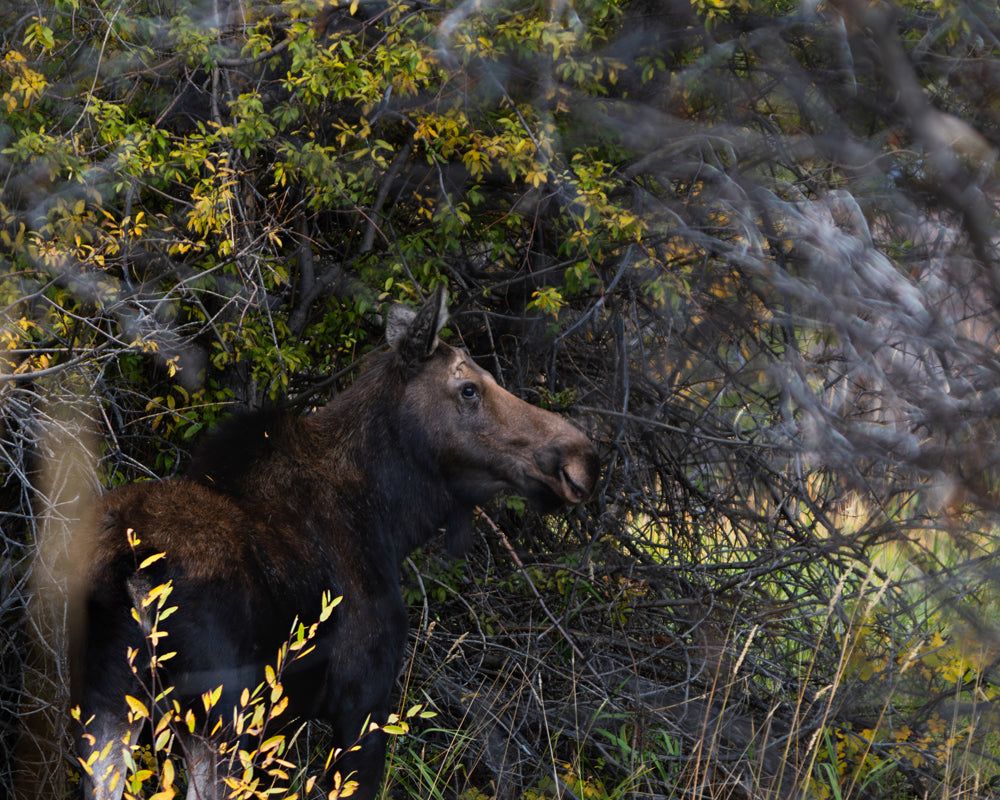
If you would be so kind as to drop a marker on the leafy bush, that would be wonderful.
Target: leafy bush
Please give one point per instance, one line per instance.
(751, 247)
(250, 741)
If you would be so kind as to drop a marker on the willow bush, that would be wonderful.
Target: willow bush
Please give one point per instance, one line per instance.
(750, 246)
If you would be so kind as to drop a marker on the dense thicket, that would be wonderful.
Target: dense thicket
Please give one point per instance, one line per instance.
(750, 246)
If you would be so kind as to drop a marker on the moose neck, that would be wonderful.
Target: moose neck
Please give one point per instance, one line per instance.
(396, 496)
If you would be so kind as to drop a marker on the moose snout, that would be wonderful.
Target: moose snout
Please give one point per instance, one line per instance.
(571, 466)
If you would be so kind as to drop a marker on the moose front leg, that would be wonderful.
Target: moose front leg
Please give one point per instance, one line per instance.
(103, 748)
(363, 761)
(205, 773)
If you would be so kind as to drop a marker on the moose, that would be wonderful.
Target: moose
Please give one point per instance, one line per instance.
(277, 509)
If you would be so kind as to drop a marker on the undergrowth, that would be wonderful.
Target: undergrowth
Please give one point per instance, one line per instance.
(614, 688)
(253, 743)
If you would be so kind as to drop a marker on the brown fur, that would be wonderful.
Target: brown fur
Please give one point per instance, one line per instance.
(275, 510)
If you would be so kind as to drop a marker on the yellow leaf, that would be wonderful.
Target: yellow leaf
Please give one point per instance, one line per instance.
(209, 699)
(151, 559)
(163, 722)
(137, 707)
(279, 708)
(161, 741)
(168, 773)
(163, 590)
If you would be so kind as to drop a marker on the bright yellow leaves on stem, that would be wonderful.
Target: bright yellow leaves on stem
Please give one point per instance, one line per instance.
(256, 755)
(22, 85)
(211, 211)
(450, 135)
(548, 300)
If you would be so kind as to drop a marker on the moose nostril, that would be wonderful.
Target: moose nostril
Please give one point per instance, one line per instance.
(573, 464)
(549, 460)
(579, 493)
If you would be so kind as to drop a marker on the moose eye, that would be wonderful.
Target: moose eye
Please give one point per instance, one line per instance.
(469, 391)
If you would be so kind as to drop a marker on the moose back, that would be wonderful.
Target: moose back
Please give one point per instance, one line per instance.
(277, 510)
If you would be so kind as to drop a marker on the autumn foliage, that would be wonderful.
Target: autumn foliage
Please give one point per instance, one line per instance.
(751, 247)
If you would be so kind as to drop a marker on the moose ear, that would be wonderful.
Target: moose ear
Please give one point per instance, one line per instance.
(414, 334)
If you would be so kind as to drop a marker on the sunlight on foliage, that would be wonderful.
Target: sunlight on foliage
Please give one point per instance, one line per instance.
(254, 758)
(750, 247)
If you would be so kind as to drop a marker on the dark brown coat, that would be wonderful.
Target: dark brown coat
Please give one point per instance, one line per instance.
(276, 510)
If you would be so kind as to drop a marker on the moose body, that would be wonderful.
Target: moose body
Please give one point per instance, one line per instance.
(277, 510)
